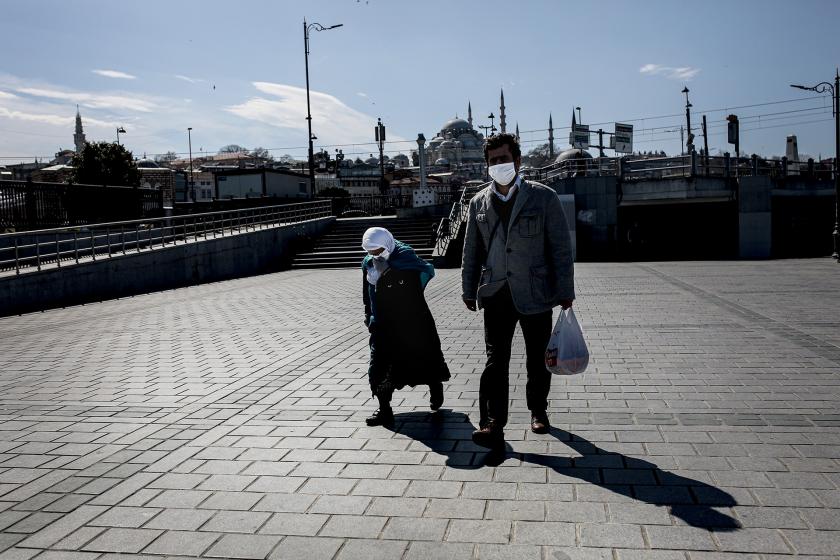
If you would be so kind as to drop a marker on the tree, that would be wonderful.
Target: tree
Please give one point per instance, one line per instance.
(261, 153)
(232, 149)
(286, 159)
(105, 163)
(168, 157)
(538, 157)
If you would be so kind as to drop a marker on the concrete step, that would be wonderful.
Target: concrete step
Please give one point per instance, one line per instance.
(347, 254)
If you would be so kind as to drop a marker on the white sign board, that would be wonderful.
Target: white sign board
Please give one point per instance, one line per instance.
(623, 138)
(579, 137)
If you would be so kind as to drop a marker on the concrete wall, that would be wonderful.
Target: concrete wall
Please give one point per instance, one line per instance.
(161, 269)
(755, 231)
(595, 214)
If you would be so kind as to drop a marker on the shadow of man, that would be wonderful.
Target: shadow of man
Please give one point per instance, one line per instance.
(448, 433)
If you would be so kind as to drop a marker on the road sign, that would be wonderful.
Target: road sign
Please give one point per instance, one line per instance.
(623, 138)
(579, 137)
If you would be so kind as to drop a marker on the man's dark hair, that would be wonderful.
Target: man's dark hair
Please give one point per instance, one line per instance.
(499, 140)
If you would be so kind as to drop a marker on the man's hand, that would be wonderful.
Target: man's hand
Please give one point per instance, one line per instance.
(470, 303)
(566, 303)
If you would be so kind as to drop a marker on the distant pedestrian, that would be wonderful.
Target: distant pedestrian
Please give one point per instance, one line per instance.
(517, 266)
(404, 344)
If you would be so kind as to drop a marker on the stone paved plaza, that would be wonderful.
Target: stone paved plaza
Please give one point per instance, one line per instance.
(227, 421)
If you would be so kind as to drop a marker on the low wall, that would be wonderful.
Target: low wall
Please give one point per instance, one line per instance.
(170, 267)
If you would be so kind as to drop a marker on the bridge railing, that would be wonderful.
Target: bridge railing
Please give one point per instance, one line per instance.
(32, 250)
(27, 205)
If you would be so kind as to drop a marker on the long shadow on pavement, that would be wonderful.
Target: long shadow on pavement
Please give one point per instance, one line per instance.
(448, 433)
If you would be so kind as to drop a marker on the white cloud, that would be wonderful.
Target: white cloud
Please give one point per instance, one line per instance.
(114, 74)
(684, 73)
(93, 100)
(332, 120)
(190, 80)
(51, 119)
(7, 95)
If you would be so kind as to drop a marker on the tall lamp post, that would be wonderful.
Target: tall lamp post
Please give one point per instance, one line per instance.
(120, 130)
(689, 145)
(379, 131)
(835, 106)
(306, 29)
(192, 182)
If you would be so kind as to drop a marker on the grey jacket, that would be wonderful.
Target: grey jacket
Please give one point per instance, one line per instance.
(533, 256)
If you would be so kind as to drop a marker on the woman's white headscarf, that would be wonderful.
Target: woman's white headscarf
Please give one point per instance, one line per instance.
(377, 238)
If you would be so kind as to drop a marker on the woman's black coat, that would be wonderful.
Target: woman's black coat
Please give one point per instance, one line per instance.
(405, 346)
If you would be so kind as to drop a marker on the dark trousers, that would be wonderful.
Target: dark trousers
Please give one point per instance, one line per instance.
(500, 318)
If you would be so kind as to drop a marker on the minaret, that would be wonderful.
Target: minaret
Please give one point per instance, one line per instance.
(79, 136)
(469, 113)
(517, 131)
(574, 126)
(550, 138)
(502, 113)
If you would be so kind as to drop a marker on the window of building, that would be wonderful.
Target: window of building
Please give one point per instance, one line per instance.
(302, 188)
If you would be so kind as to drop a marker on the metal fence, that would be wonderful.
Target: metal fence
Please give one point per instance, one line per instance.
(383, 205)
(25, 205)
(31, 251)
(692, 165)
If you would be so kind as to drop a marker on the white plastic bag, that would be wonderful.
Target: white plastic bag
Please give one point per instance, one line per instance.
(566, 353)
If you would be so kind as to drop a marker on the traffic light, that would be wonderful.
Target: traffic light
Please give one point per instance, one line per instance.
(733, 129)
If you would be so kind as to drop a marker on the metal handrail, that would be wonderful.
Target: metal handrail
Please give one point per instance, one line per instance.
(448, 227)
(113, 238)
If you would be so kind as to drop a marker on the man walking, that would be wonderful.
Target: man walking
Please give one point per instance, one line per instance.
(517, 266)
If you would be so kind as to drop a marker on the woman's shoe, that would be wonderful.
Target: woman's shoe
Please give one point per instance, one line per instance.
(382, 417)
(435, 395)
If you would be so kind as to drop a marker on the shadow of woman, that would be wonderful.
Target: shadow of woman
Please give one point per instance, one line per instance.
(448, 433)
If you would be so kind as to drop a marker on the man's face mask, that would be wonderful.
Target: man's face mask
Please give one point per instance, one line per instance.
(383, 256)
(503, 173)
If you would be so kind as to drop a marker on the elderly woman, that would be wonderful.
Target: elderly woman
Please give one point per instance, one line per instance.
(404, 343)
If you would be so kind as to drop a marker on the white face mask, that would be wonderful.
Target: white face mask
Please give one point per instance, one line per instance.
(383, 256)
(503, 173)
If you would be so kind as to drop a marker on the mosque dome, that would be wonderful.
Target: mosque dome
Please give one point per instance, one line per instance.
(456, 124)
(573, 153)
(372, 161)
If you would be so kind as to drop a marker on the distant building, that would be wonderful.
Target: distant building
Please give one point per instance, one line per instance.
(152, 175)
(59, 173)
(251, 183)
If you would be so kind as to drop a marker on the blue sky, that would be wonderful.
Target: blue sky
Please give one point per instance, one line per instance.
(151, 66)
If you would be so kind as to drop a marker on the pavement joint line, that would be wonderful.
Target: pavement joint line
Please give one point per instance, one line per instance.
(820, 347)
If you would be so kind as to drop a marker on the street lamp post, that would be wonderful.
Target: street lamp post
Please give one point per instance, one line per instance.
(380, 139)
(120, 130)
(306, 28)
(192, 182)
(689, 145)
(835, 94)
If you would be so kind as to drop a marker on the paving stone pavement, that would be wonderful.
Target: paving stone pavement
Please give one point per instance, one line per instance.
(227, 421)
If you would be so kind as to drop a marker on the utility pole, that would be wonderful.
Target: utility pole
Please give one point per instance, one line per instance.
(600, 143)
(192, 182)
(682, 141)
(706, 144)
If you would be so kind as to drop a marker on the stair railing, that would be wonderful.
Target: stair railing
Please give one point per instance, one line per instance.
(449, 227)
